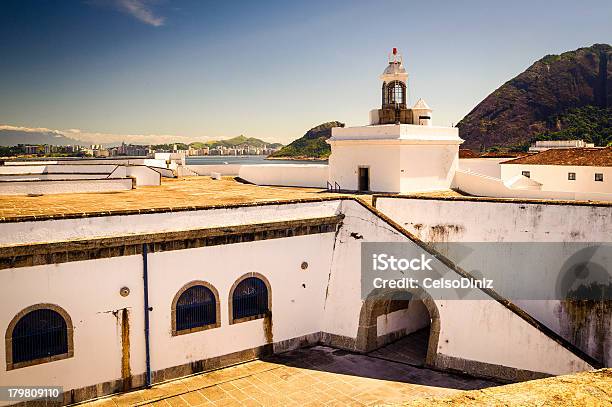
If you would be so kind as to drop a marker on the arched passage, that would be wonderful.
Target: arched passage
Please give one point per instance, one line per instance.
(410, 311)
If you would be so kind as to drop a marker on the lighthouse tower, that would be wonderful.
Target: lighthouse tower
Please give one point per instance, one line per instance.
(400, 150)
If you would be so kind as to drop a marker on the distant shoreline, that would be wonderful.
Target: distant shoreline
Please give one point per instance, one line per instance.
(299, 158)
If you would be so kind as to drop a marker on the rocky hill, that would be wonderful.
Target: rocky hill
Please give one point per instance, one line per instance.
(310, 145)
(558, 97)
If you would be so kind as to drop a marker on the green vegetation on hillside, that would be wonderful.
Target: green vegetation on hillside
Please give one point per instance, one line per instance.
(589, 123)
(565, 96)
(310, 145)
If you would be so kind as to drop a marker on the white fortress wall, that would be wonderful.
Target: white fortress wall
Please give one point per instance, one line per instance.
(503, 337)
(323, 297)
(89, 292)
(469, 220)
(296, 175)
(298, 294)
(58, 168)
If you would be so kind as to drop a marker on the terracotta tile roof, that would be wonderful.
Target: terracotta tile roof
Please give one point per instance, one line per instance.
(466, 153)
(596, 157)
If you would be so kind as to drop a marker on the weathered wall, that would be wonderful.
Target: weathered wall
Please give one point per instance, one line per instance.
(64, 186)
(58, 168)
(503, 337)
(438, 220)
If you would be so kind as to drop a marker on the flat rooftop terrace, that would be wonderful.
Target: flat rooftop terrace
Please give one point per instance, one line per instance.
(172, 194)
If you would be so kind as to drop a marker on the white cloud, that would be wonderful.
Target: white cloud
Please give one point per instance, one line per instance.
(106, 138)
(139, 9)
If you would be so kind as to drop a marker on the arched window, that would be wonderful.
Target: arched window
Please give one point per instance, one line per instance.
(249, 299)
(38, 334)
(396, 93)
(195, 308)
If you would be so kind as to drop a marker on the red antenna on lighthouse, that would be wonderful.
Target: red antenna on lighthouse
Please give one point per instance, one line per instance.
(394, 51)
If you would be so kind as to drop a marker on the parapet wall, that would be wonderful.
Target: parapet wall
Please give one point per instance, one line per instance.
(295, 175)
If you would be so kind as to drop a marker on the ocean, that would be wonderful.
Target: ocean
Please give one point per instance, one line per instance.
(245, 160)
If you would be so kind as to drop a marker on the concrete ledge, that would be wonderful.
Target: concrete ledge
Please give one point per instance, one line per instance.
(493, 200)
(29, 255)
(486, 370)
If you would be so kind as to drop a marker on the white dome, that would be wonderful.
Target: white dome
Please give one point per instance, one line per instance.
(394, 68)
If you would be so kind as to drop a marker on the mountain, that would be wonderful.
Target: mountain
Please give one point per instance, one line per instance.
(310, 145)
(14, 137)
(558, 97)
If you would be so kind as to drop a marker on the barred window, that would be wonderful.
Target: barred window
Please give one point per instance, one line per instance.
(196, 307)
(41, 333)
(250, 299)
(396, 93)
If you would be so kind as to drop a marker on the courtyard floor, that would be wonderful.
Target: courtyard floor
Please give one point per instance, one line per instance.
(307, 377)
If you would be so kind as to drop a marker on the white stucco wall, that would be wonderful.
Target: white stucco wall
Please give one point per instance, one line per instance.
(427, 167)
(295, 175)
(295, 292)
(472, 221)
(64, 187)
(58, 168)
(223, 169)
(89, 292)
(502, 335)
(382, 160)
(483, 185)
(407, 320)
(484, 166)
(144, 176)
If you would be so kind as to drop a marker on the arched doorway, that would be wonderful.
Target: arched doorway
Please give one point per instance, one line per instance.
(404, 323)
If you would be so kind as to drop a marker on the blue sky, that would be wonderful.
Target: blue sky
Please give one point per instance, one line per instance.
(126, 69)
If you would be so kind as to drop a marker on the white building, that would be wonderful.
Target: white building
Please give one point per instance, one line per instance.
(583, 170)
(400, 150)
(544, 145)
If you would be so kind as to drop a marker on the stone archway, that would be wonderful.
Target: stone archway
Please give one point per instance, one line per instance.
(381, 302)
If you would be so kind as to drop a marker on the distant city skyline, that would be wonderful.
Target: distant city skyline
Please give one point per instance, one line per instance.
(157, 71)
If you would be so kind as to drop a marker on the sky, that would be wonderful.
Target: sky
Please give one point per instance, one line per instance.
(164, 70)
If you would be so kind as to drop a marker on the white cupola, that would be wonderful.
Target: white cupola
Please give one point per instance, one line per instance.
(421, 113)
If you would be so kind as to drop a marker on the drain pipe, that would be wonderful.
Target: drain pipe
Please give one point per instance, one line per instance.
(145, 277)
